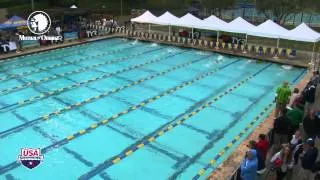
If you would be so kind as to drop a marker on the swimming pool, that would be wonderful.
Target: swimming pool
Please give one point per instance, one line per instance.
(124, 109)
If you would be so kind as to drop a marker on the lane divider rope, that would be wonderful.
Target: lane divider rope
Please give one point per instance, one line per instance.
(94, 126)
(89, 100)
(62, 64)
(242, 133)
(31, 83)
(43, 59)
(149, 139)
(233, 142)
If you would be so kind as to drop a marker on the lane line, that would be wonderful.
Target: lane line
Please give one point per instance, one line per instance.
(149, 139)
(80, 70)
(242, 133)
(101, 95)
(79, 84)
(10, 76)
(44, 59)
(94, 126)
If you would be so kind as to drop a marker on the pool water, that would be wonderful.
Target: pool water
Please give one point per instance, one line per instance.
(124, 109)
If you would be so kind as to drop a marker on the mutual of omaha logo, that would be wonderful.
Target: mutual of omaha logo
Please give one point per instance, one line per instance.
(30, 157)
(39, 22)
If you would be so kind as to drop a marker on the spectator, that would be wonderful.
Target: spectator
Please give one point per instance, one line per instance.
(308, 160)
(263, 145)
(282, 161)
(309, 96)
(282, 97)
(261, 162)
(262, 148)
(316, 104)
(281, 130)
(295, 117)
(249, 166)
(296, 139)
(309, 125)
(294, 97)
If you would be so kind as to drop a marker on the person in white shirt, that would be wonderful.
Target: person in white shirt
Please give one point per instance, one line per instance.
(293, 97)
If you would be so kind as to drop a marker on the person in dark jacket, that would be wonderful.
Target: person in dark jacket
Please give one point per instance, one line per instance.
(308, 160)
(309, 125)
(249, 166)
(281, 130)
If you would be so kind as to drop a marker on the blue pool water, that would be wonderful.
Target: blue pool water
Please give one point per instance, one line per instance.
(123, 109)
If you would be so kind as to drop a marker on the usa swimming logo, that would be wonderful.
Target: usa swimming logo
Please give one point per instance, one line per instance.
(30, 157)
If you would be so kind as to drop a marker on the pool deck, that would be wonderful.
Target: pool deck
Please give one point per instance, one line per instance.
(304, 63)
(228, 167)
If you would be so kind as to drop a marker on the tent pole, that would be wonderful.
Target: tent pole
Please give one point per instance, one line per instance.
(218, 36)
(192, 33)
(246, 38)
(312, 56)
(169, 30)
(278, 42)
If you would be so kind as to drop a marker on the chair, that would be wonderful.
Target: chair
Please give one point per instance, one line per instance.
(293, 53)
(173, 38)
(289, 52)
(280, 51)
(178, 40)
(230, 46)
(194, 42)
(205, 42)
(272, 51)
(284, 52)
(217, 45)
(189, 41)
(184, 40)
(264, 50)
(260, 51)
(200, 42)
(223, 45)
(235, 47)
(249, 48)
(212, 44)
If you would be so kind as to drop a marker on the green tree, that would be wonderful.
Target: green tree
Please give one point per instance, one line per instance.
(282, 9)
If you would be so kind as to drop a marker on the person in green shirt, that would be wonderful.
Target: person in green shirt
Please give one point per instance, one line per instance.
(283, 97)
(295, 115)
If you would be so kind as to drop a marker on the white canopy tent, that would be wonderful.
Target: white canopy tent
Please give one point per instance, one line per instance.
(239, 25)
(73, 7)
(191, 21)
(215, 24)
(167, 19)
(268, 29)
(146, 18)
(302, 33)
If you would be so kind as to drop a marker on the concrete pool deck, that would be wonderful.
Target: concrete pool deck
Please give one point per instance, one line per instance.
(226, 169)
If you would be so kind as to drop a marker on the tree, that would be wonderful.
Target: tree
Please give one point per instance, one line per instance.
(282, 9)
(217, 5)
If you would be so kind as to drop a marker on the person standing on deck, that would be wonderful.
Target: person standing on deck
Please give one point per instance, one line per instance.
(282, 97)
(249, 166)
